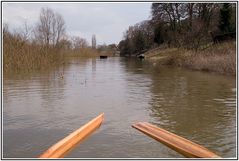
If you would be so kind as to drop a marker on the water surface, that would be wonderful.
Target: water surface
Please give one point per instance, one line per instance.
(39, 109)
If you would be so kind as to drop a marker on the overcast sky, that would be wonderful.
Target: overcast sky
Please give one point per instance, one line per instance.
(107, 21)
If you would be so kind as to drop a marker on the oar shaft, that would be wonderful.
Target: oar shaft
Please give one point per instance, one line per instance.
(181, 145)
(61, 148)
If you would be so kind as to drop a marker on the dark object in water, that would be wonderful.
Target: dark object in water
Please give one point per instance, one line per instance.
(103, 57)
(140, 56)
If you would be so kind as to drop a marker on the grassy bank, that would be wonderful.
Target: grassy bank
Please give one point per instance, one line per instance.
(219, 58)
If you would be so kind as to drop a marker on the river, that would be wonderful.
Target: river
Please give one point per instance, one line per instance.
(40, 109)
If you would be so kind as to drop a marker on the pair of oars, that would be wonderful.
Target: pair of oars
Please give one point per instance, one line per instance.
(175, 142)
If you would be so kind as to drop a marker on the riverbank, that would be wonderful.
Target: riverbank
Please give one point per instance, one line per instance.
(219, 58)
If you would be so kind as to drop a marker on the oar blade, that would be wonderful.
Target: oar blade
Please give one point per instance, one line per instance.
(61, 148)
(181, 145)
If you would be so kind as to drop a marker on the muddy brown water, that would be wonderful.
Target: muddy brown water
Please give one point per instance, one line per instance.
(39, 109)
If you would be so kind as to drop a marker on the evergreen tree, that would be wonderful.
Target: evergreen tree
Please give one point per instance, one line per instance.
(139, 42)
(225, 17)
(158, 36)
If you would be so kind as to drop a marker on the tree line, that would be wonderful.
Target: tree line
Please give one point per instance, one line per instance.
(184, 25)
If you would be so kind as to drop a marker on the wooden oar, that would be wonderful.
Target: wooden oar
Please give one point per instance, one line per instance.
(61, 148)
(175, 142)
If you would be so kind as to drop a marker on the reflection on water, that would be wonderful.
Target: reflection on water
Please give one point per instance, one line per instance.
(40, 109)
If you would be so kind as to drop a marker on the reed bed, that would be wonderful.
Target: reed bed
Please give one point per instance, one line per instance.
(20, 55)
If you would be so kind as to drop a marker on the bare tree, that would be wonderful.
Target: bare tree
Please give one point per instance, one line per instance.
(51, 27)
(44, 27)
(78, 42)
(25, 31)
(60, 27)
(190, 11)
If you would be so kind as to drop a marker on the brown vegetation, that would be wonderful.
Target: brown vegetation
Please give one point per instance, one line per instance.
(219, 58)
(20, 55)
(36, 49)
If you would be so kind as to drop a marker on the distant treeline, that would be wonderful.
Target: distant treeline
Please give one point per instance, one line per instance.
(49, 32)
(185, 25)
